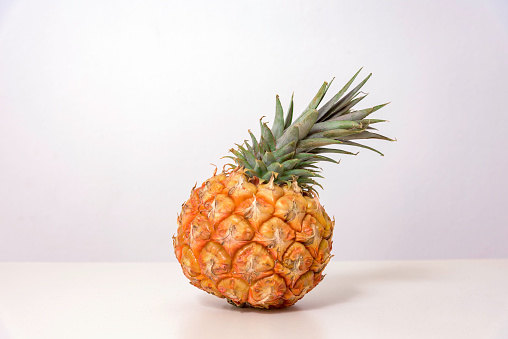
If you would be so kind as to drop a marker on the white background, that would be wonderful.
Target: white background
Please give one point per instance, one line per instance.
(110, 111)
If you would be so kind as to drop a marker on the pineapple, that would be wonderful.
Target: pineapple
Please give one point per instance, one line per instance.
(256, 234)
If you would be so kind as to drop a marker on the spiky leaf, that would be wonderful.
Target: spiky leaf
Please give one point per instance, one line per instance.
(366, 135)
(345, 99)
(268, 158)
(289, 115)
(255, 144)
(344, 108)
(276, 167)
(319, 96)
(285, 149)
(315, 157)
(290, 164)
(260, 166)
(330, 150)
(278, 122)
(286, 157)
(293, 148)
(308, 144)
(289, 135)
(267, 135)
(331, 125)
(334, 133)
(326, 108)
(352, 143)
(305, 123)
(251, 159)
(359, 115)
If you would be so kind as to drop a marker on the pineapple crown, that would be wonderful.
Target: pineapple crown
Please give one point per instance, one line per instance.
(290, 149)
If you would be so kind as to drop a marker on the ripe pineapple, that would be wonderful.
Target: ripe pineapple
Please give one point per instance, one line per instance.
(256, 233)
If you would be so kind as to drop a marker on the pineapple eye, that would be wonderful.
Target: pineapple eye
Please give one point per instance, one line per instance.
(290, 215)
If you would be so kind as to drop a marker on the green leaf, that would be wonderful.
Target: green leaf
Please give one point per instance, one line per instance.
(285, 149)
(304, 156)
(330, 150)
(330, 125)
(358, 115)
(308, 181)
(278, 122)
(260, 166)
(318, 97)
(251, 159)
(276, 167)
(299, 173)
(267, 135)
(366, 135)
(346, 99)
(317, 158)
(351, 143)
(308, 113)
(305, 123)
(313, 143)
(345, 107)
(249, 148)
(255, 144)
(290, 134)
(323, 110)
(323, 158)
(263, 146)
(252, 173)
(289, 115)
(309, 164)
(290, 164)
(366, 122)
(334, 133)
(242, 162)
(268, 158)
(268, 175)
(286, 157)
(235, 160)
(237, 154)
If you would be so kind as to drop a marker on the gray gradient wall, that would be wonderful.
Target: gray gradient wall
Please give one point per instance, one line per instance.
(110, 111)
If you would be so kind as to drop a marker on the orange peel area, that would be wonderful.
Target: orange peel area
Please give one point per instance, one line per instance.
(253, 243)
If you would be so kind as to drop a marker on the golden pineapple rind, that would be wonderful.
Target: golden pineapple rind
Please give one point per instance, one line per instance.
(260, 245)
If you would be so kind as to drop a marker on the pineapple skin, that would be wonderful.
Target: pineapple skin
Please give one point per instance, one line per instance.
(256, 244)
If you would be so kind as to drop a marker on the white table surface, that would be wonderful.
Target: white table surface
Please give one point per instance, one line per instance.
(397, 299)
